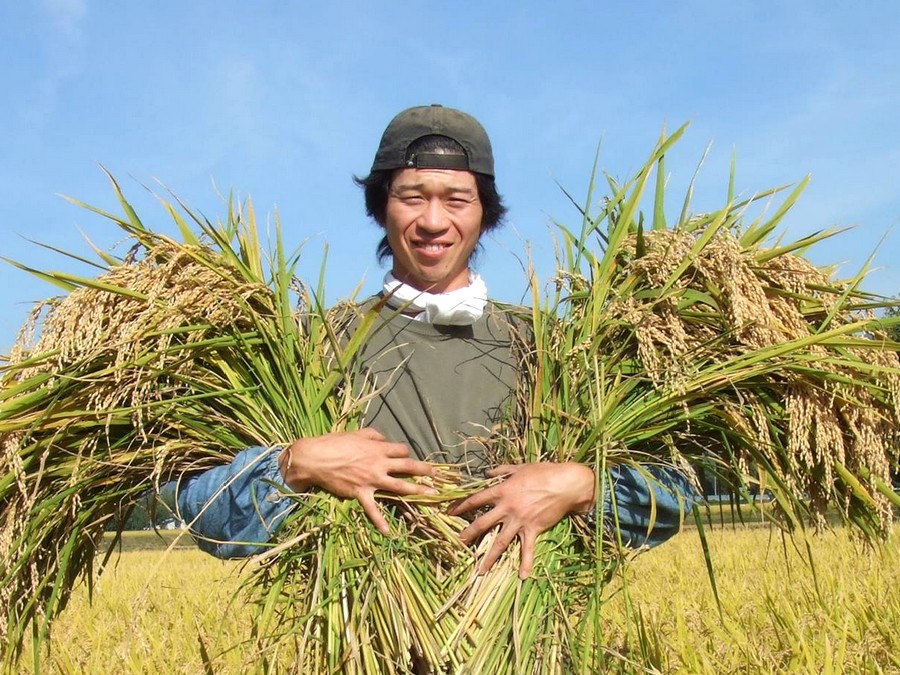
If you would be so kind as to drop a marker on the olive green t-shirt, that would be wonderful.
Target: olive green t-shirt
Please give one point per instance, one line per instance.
(440, 389)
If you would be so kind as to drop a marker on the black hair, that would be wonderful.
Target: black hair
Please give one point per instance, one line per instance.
(378, 183)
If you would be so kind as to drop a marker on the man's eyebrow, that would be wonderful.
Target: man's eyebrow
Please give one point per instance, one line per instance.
(418, 186)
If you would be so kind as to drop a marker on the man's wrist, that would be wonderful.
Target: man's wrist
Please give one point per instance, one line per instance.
(584, 500)
(291, 469)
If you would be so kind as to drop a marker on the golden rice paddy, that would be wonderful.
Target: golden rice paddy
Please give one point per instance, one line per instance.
(175, 610)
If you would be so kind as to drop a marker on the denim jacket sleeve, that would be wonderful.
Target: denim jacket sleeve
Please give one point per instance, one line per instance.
(234, 509)
(645, 505)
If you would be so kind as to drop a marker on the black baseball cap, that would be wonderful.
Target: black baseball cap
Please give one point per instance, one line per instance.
(413, 123)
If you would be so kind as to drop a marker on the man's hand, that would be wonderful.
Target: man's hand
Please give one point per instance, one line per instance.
(353, 465)
(532, 499)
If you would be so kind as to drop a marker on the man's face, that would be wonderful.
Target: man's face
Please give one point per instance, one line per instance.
(433, 221)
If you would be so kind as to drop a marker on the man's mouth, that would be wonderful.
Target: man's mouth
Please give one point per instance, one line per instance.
(432, 247)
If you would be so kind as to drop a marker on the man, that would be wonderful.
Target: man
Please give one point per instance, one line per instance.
(443, 365)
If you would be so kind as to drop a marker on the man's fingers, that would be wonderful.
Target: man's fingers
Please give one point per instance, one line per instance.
(398, 486)
(501, 543)
(483, 523)
(503, 470)
(369, 432)
(475, 501)
(395, 450)
(411, 467)
(527, 558)
(367, 501)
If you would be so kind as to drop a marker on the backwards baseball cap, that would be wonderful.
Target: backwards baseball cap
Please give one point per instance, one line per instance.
(414, 123)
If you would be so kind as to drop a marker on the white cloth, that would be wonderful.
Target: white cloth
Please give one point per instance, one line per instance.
(461, 307)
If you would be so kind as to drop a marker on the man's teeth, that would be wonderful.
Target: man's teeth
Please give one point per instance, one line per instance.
(433, 247)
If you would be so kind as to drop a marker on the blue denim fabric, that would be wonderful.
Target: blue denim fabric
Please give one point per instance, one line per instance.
(232, 510)
(646, 504)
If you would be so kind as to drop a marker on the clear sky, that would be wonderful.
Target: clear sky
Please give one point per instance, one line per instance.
(285, 101)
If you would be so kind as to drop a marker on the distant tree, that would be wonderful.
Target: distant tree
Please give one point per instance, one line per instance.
(148, 512)
(894, 331)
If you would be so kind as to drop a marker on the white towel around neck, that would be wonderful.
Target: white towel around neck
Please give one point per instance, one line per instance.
(461, 307)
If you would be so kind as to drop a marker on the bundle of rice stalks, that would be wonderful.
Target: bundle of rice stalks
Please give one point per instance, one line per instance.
(695, 344)
(720, 345)
(169, 362)
(690, 345)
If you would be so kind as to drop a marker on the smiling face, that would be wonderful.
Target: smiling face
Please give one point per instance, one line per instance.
(433, 222)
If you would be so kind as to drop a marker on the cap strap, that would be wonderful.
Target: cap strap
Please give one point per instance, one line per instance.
(426, 160)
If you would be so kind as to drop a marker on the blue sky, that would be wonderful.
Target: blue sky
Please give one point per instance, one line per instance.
(285, 101)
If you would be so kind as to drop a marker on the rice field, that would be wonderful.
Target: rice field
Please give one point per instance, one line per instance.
(175, 610)
(691, 344)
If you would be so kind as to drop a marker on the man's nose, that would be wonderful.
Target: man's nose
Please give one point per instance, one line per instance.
(435, 216)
